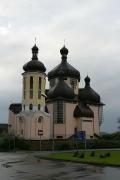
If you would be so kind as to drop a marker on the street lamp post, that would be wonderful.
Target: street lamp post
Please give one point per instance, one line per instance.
(9, 129)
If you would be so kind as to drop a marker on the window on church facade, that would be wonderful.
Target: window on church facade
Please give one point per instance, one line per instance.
(21, 120)
(31, 82)
(39, 94)
(21, 131)
(58, 112)
(31, 87)
(39, 107)
(24, 87)
(73, 83)
(39, 83)
(39, 88)
(31, 94)
(40, 119)
(30, 107)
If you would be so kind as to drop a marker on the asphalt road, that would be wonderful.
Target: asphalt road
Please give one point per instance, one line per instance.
(24, 166)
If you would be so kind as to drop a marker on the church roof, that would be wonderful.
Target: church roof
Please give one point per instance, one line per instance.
(87, 94)
(82, 110)
(61, 89)
(68, 70)
(16, 108)
(34, 64)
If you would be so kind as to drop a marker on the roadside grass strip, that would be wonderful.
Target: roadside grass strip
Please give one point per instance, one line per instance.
(100, 157)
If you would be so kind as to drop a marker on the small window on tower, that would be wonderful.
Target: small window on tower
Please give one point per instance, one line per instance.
(31, 82)
(39, 94)
(24, 86)
(39, 87)
(73, 83)
(31, 94)
(30, 107)
(38, 106)
(31, 87)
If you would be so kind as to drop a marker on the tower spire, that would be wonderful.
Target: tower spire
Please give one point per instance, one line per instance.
(64, 53)
(35, 51)
(35, 40)
(87, 81)
(64, 42)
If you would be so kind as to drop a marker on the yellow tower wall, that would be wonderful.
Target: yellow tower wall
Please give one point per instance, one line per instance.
(35, 100)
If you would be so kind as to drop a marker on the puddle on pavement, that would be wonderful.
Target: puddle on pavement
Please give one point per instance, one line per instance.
(6, 165)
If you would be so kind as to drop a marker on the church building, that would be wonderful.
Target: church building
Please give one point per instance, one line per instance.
(62, 111)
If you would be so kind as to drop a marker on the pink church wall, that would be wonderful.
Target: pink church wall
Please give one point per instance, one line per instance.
(71, 122)
(96, 127)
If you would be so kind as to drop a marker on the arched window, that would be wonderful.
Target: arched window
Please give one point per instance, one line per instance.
(40, 119)
(31, 82)
(39, 83)
(38, 106)
(58, 114)
(39, 88)
(24, 87)
(31, 87)
(73, 83)
(21, 120)
(30, 107)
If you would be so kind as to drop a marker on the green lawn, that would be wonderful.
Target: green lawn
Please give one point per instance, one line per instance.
(114, 158)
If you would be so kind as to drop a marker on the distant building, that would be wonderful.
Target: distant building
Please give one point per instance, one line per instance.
(60, 111)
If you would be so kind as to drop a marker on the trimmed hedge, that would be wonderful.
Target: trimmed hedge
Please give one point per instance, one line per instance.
(7, 144)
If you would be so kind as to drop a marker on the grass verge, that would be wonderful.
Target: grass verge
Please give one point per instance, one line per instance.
(99, 157)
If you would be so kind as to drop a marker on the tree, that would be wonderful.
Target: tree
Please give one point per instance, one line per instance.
(118, 121)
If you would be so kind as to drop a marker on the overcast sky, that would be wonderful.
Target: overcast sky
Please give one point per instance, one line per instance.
(91, 29)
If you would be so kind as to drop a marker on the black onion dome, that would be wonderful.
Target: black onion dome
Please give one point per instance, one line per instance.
(35, 49)
(68, 70)
(15, 108)
(61, 89)
(64, 51)
(87, 94)
(82, 110)
(34, 64)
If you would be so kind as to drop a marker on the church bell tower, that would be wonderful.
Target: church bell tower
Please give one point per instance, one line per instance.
(34, 80)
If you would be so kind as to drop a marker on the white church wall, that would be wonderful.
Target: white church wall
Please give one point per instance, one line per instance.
(87, 126)
(96, 126)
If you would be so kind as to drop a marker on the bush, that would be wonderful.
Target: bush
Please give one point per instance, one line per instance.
(62, 146)
(22, 144)
(76, 154)
(108, 154)
(82, 155)
(102, 156)
(92, 153)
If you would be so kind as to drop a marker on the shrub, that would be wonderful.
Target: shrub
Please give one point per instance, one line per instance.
(76, 154)
(82, 155)
(108, 154)
(23, 145)
(92, 153)
(102, 156)
(62, 146)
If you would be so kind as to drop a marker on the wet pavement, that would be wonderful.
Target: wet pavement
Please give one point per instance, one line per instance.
(21, 165)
